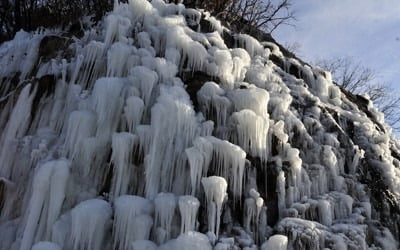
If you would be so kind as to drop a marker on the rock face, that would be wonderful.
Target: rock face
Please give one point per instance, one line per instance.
(160, 128)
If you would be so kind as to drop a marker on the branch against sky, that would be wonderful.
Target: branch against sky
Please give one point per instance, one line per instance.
(358, 79)
(266, 15)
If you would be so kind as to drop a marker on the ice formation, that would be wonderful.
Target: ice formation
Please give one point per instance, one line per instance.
(162, 129)
(188, 206)
(215, 190)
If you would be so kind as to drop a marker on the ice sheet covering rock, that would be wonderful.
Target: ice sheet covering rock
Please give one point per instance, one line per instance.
(162, 129)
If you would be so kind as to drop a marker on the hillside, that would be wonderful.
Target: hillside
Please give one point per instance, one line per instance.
(159, 128)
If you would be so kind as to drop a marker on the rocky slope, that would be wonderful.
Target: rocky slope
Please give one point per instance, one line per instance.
(160, 128)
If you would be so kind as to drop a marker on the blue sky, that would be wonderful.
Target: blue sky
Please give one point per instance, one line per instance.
(366, 30)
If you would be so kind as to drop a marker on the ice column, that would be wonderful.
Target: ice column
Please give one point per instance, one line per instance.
(122, 146)
(48, 192)
(276, 242)
(215, 189)
(132, 220)
(199, 157)
(230, 164)
(133, 112)
(90, 221)
(81, 125)
(188, 206)
(15, 128)
(165, 204)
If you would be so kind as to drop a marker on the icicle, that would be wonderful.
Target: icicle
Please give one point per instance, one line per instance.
(145, 136)
(276, 242)
(121, 158)
(250, 44)
(193, 15)
(223, 60)
(254, 99)
(133, 112)
(241, 61)
(280, 189)
(139, 9)
(81, 125)
(94, 62)
(230, 164)
(145, 80)
(165, 69)
(190, 240)
(117, 57)
(15, 129)
(117, 28)
(45, 245)
(252, 131)
(143, 245)
(199, 158)
(165, 204)
(215, 24)
(252, 210)
(48, 192)
(174, 127)
(90, 222)
(215, 190)
(193, 51)
(108, 105)
(325, 212)
(188, 206)
(61, 231)
(132, 220)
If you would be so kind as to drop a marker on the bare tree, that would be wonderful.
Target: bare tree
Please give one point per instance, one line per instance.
(32, 14)
(266, 15)
(348, 74)
(261, 14)
(358, 79)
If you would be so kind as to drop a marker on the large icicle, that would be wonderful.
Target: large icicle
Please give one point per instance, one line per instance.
(251, 132)
(174, 127)
(48, 192)
(133, 112)
(15, 129)
(121, 158)
(90, 221)
(132, 220)
(230, 162)
(165, 204)
(199, 157)
(81, 125)
(215, 190)
(188, 206)
(108, 105)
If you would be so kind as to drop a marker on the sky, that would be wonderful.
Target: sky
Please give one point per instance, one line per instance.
(368, 31)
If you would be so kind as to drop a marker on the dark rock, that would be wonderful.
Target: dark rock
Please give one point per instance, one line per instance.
(44, 87)
(194, 82)
(228, 39)
(76, 29)
(205, 26)
(51, 46)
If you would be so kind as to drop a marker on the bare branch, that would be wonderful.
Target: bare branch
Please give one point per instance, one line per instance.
(357, 79)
